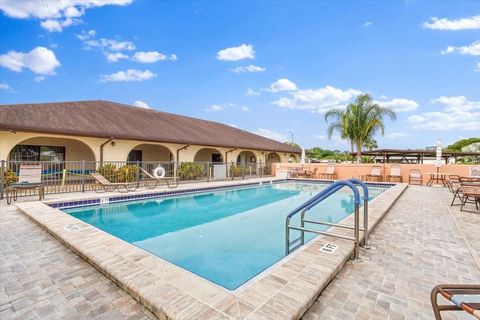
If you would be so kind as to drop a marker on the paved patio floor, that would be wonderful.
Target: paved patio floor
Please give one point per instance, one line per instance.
(420, 243)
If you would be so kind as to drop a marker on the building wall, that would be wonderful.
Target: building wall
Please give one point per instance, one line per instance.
(353, 170)
(89, 148)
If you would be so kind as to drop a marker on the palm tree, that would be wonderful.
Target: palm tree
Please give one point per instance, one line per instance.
(370, 144)
(359, 122)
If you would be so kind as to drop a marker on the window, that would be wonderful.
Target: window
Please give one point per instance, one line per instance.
(37, 153)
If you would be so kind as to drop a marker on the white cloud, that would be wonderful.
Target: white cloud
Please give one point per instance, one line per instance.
(319, 137)
(128, 75)
(282, 85)
(109, 44)
(446, 24)
(396, 135)
(54, 14)
(224, 106)
(85, 35)
(367, 24)
(458, 113)
(39, 60)
(249, 68)
(317, 100)
(39, 78)
(114, 57)
(6, 87)
(477, 67)
(141, 104)
(271, 134)
(251, 92)
(244, 51)
(473, 49)
(399, 104)
(151, 57)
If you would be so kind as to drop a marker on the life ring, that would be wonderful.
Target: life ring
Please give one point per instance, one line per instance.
(158, 172)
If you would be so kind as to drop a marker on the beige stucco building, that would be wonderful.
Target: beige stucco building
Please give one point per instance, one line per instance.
(107, 131)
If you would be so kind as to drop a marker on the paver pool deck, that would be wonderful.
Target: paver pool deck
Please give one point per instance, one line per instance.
(420, 242)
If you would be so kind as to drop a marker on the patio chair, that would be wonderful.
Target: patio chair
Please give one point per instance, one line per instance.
(415, 175)
(376, 174)
(452, 180)
(102, 184)
(312, 174)
(29, 178)
(152, 181)
(395, 173)
(330, 174)
(463, 297)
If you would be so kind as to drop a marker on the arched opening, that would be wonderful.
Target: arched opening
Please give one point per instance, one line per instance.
(150, 153)
(246, 157)
(208, 154)
(51, 149)
(272, 158)
(292, 158)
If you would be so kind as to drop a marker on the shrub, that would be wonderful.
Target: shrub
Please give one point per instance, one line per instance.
(109, 171)
(127, 173)
(190, 171)
(9, 177)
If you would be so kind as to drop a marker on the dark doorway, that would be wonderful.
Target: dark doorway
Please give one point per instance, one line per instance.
(134, 156)
(216, 157)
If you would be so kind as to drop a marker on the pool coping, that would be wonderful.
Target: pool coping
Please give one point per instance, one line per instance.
(283, 291)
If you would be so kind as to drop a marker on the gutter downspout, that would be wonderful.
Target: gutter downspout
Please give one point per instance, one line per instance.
(175, 167)
(226, 159)
(101, 150)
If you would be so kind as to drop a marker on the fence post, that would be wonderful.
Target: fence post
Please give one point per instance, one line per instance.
(208, 171)
(83, 175)
(2, 178)
(137, 173)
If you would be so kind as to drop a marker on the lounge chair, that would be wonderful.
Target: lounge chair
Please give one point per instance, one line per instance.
(375, 175)
(29, 178)
(463, 297)
(330, 174)
(415, 175)
(102, 184)
(152, 182)
(395, 173)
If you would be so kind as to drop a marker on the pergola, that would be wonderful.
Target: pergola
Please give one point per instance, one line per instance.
(414, 156)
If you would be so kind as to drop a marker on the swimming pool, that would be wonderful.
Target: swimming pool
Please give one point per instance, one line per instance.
(226, 236)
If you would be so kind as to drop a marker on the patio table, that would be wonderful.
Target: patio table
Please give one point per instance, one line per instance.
(438, 178)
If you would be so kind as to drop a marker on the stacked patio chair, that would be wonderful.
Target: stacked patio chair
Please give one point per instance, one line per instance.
(463, 297)
(375, 175)
(415, 175)
(330, 174)
(311, 174)
(29, 178)
(395, 173)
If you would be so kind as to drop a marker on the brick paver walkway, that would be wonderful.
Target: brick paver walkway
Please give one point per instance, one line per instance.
(415, 247)
(42, 279)
(421, 242)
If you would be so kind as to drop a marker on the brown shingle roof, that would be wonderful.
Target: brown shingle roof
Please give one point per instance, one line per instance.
(109, 119)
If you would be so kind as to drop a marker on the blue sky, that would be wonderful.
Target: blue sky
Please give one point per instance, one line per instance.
(265, 67)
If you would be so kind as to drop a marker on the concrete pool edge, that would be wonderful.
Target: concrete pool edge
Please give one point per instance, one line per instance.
(284, 291)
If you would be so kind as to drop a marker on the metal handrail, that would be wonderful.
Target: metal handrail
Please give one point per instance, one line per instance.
(322, 195)
(365, 210)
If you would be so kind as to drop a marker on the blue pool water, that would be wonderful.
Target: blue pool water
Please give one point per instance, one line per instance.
(225, 236)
